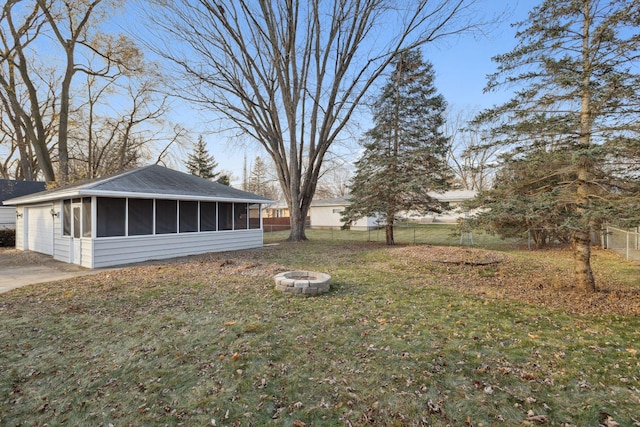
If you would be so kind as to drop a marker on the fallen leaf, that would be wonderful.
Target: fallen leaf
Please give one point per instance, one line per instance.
(298, 423)
(235, 356)
(230, 323)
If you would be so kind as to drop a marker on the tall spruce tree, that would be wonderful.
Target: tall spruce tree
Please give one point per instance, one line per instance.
(575, 63)
(200, 162)
(404, 157)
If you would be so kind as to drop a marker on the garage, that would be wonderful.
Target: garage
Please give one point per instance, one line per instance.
(39, 235)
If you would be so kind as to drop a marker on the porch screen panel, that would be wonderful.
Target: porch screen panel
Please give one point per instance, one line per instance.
(111, 216)
(140, 217)
(86, 217)
(188, 216)
(166, 216)
(241, 217)
(225, 216)
(66, 217)
(208, 216)
(254, 216)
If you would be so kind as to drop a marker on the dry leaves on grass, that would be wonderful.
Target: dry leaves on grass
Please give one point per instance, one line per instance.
(542, 280)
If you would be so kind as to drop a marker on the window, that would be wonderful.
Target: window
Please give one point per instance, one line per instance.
(166, 216)
(240, 216)
(140, 217)
(225, 216)
(86, 217)
(207, 216)
(254, 216)
(77, 207)
(110, 216)
(188, 217)
(336, 211)
(66, 217)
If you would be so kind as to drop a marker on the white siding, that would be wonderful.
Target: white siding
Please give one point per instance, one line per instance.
(111, 251)
(20, 229)
(61, 244)
(7, 217)
(330, 217)
(326, 216)
(87, 252)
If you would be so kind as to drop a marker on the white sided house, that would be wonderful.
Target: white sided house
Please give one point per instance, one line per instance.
(327, 214)
(147, 213)
(10, 189)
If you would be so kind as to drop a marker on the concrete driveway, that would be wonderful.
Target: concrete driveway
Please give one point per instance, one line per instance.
(19, 268)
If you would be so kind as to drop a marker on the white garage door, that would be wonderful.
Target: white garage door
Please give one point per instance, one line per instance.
(40, 229)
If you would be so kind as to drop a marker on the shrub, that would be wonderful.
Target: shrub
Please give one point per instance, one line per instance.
(7, 237)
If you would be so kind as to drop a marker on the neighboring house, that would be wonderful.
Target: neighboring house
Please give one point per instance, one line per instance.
(277, 209)
(455, 211)
(327, 214)
(10, 189)
(146, 213)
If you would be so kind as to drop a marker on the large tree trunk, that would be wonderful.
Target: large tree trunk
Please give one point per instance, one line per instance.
(63, 128)
(582, 256)
(582, 237)
(388, 232)
(298, 221)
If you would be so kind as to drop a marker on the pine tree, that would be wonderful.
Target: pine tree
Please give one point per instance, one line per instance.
(404, 156)
(575, 65)
(200, 162)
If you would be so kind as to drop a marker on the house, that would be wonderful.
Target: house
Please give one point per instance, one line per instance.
(10, 189)
(147, 213)
(455, 210)
(327, 214)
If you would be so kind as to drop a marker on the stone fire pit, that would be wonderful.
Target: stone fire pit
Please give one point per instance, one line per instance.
(302, 282)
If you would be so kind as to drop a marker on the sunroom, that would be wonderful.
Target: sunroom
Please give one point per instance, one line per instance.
(147, 213)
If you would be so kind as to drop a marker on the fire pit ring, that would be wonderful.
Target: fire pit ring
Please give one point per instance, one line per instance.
(302, 282)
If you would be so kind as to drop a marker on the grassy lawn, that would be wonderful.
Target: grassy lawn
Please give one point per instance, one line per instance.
(411, 335)
(433, 234)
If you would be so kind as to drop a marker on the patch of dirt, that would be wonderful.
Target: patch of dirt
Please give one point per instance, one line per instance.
(547, 282)
(12, 257)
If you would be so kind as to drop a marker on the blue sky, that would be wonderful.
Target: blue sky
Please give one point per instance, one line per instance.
(461, 64)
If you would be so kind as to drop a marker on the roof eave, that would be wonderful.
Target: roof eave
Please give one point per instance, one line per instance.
(33, 199)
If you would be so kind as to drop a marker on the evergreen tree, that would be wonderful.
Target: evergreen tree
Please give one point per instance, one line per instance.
(404, 156)
(575, 63)
(200, 162)
(224, 180)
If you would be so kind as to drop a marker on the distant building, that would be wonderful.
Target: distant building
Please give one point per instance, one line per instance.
(326, 214)
(10, 189)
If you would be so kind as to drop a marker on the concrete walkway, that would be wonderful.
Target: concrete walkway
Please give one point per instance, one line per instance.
(18, 269)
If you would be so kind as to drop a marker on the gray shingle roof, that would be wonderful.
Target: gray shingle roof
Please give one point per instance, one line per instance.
(10, 189)
(148, 181)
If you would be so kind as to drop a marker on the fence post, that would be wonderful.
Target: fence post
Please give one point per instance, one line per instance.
(627, 245)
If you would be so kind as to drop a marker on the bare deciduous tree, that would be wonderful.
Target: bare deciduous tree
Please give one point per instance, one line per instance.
(292, 73)
(20, 24)
(470, 157)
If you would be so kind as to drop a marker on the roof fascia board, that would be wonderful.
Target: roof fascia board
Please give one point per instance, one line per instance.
(134, 195)
(118, 194)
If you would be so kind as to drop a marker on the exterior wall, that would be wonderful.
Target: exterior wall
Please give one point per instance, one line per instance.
(109, 251)
(7, 217)
(329, 217)
(20, 229)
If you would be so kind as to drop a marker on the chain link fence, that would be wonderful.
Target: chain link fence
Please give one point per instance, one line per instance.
(624, 242)
(433, 234)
